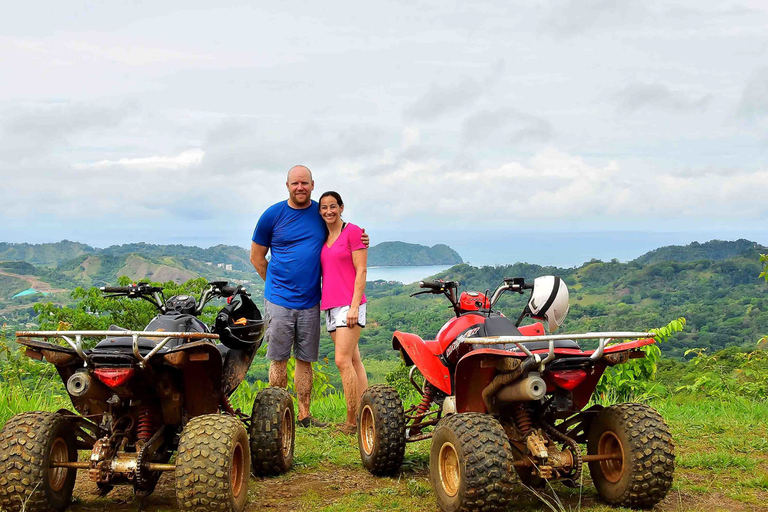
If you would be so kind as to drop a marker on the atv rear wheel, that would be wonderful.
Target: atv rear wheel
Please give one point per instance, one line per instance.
(272, 432)
(29, 442)
(642, 475)
(470, 463)
(381, 430)
(212, 470)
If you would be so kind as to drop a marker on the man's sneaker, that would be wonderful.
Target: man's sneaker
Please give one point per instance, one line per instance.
(311, 421)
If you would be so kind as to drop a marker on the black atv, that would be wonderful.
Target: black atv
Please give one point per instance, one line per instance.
(142, 396)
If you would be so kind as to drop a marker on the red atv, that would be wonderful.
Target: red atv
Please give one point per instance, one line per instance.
(506, 398)
(142, 396)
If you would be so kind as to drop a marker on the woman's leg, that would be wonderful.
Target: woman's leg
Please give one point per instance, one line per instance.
(345, 340)
(362, 376)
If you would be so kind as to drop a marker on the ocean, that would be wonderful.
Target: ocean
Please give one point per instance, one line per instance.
(405, 275)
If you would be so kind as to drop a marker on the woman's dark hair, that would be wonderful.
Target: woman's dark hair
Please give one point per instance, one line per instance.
(333, 194)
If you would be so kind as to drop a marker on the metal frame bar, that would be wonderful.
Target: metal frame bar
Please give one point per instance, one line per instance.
(604, 337)
(77, 345)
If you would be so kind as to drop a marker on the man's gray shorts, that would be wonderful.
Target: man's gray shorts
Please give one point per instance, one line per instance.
(297, 328)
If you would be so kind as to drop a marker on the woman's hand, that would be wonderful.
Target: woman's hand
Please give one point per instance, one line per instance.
(352, 315)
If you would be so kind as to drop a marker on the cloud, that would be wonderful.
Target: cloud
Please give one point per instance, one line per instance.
(573, 17)
(32, 130)
(441, 99)
(64, 52)
(183, 160)
(444, 98)
(754, 98)
(553, 190)
(505, 125)
(657, 96)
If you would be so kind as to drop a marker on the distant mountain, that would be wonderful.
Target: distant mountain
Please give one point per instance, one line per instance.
(50, 254)
(714, 250)
(238, 257)
(390, 254)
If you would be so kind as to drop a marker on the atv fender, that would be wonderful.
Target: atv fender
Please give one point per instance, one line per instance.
(416, 351)
(202, 377)
(474, 372)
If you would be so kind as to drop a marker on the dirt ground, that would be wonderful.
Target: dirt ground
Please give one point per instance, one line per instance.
(35, 283)
(321, 489)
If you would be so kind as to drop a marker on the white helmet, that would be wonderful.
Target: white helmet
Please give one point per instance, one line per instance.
(549, 301)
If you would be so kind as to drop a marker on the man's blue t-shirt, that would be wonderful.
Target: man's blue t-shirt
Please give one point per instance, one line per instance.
(296, 239)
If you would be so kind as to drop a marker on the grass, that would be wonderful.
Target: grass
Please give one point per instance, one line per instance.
(721, 448)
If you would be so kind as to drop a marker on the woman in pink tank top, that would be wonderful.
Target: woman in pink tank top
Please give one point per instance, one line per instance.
(344, 265)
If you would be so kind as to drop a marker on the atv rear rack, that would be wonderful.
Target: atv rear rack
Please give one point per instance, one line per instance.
(604, 337)
(77, 344)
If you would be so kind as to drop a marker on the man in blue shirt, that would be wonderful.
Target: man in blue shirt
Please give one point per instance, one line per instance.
(295, 232)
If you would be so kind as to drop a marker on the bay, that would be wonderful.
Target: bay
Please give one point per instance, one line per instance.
(405, 275)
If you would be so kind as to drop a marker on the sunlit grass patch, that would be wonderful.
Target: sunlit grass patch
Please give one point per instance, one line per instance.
(715, 460)
(757, 482)
(15, 399)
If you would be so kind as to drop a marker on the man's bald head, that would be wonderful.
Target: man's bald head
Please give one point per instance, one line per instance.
(300, 186)
(297, 168)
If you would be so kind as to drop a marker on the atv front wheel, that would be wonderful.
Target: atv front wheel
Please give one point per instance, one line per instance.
(29, 442)
(641, 475)
(470, 464)
(272, 432)
(381, 430)
(212, 470)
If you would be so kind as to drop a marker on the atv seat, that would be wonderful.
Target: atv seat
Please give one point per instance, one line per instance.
(503, 326)
(539, 345)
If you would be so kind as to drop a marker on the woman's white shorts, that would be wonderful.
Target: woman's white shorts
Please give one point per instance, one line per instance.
(337, 317)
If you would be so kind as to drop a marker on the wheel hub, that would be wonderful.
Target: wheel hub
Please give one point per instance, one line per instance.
(59, 453)
(613, 469)
(238, 465)
(287, 430)
(367, 430)
(450, 472)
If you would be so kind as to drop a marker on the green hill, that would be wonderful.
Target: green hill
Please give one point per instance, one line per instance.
(50, 254)
(388, 254)
(712, 250)
(720, 295)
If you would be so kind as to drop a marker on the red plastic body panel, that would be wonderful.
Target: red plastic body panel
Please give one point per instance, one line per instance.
(456, 326)
(536, 329)
(424, 357)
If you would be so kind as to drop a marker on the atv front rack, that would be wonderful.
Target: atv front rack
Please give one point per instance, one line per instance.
(604, 337)
(77, 344)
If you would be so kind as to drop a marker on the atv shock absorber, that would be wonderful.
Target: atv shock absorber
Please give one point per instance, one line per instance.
(144, 429)
(523, 419)
(227, 405)
(426, 400)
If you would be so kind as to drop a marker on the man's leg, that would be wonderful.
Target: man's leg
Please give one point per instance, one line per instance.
(280, 337)
(278, 374)
(306, 352)
(302, 379)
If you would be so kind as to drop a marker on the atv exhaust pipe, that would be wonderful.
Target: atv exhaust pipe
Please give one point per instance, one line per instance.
(530, 388)
(82, 385)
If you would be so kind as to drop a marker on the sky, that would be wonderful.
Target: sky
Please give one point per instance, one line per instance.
(539, 131)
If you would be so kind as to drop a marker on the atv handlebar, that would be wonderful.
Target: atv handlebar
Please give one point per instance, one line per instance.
(439, 285)
(133, 289)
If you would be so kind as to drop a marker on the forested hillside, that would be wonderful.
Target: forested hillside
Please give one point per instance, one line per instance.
(712, 250)
(403, 254)
(721, 296)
